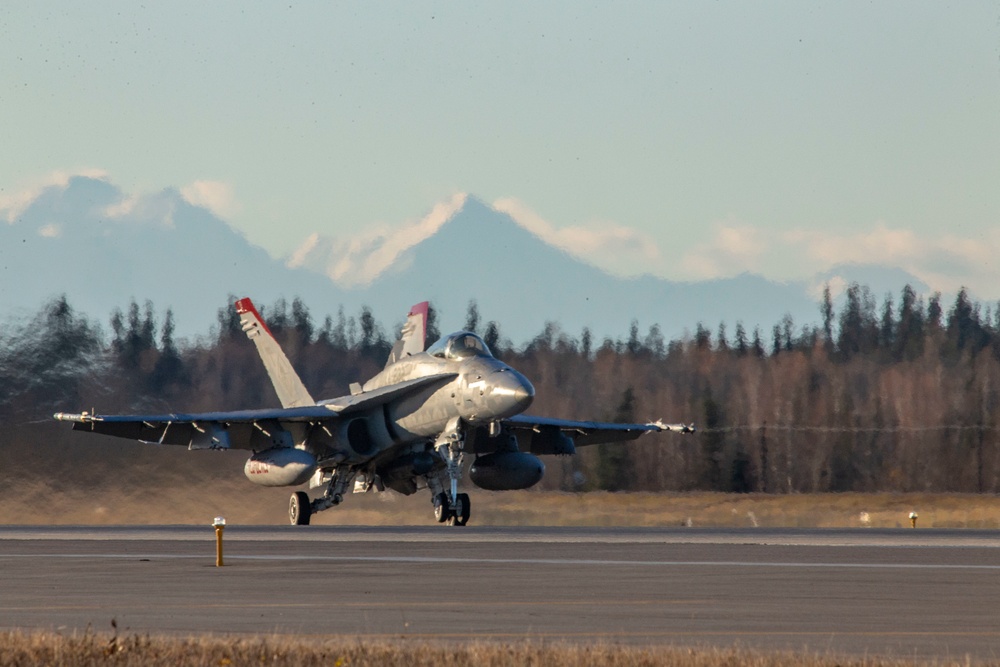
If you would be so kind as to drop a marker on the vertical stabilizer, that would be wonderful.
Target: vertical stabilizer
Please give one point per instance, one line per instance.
(291, 392)
(413, 338)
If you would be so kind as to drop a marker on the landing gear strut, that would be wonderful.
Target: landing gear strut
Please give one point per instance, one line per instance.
(450, 506)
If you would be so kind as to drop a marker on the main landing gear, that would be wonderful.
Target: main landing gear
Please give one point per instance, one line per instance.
(301, 509)
(450, 506)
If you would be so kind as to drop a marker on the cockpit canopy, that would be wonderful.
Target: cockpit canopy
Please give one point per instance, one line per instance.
(459, 346)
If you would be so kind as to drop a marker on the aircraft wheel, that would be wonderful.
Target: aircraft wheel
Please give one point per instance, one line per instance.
(463, 510)
(442, 512)
(299, 509)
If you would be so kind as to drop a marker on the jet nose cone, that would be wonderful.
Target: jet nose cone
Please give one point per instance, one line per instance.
(524, 394)
(512, 393)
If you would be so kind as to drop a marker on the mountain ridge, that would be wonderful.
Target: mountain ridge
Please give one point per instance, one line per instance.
(110, 248)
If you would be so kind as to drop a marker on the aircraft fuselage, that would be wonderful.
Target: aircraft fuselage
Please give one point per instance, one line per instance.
(475, 388)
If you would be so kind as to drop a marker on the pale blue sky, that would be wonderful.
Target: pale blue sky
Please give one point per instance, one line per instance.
(780, 138)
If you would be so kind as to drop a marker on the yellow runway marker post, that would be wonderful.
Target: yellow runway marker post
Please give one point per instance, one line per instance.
(220, 525)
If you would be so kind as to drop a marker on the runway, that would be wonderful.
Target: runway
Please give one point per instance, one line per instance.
(925, 593)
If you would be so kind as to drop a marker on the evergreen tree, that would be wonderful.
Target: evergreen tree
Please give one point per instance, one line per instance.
(787, 332)
(302, 321)
(887, 328)
(909, 343)
(276, 316)
(371, 333)
(776, 340)
(138, 338)
(713, 443)
(858, 326)
(44, 362)
(338, 336)
(325, 335)
(965, 329)
(654, 342)
(634, 346)
(742, 346)
(934, 313)
(169, 368)
(433, 332)
(492, 337)
(614, 470)
(586, 340)
(828, 315)
(472, 317)
(758, 344)
(702, 337)
(228, 321)
(117, 332)
(721, 342)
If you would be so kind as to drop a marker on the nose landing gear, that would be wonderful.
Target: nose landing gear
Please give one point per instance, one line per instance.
(450, 506)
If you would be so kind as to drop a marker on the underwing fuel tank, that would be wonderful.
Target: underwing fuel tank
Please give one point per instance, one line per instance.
(506, 471)
(280, 466)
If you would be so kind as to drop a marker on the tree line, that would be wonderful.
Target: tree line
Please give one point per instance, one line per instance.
(878, 396)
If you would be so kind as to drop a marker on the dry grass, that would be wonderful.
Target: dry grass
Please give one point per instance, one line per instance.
(96, 649)
(172, 498)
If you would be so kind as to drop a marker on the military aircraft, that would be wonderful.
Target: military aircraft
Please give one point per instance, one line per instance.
(409, 427)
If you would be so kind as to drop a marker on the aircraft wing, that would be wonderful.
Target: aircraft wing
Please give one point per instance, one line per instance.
(592, 433)
(241, 429)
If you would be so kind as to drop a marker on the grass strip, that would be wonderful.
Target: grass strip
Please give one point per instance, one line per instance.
(46, 648)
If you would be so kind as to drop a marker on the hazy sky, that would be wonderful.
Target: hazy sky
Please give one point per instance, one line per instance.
(708, 139)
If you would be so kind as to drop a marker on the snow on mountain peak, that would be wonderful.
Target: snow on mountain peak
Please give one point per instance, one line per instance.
(358, 260)
(587, 242)
(13, 205)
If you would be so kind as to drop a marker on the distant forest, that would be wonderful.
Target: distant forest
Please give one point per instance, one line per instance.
(881, 396)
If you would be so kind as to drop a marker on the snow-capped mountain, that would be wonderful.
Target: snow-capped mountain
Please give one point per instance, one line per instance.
(467, 250)
(89, 240)
(103, 248)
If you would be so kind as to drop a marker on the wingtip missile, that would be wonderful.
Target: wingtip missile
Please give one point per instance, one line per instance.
(80, 417)
(675, 428)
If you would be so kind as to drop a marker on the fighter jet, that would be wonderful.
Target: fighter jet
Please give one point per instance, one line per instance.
(409, 427)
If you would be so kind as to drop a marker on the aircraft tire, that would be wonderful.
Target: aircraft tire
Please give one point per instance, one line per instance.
(442, 511)
(299, 509)
(464, 509)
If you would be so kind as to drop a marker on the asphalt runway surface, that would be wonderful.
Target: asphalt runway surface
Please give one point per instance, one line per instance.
(904, 592)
